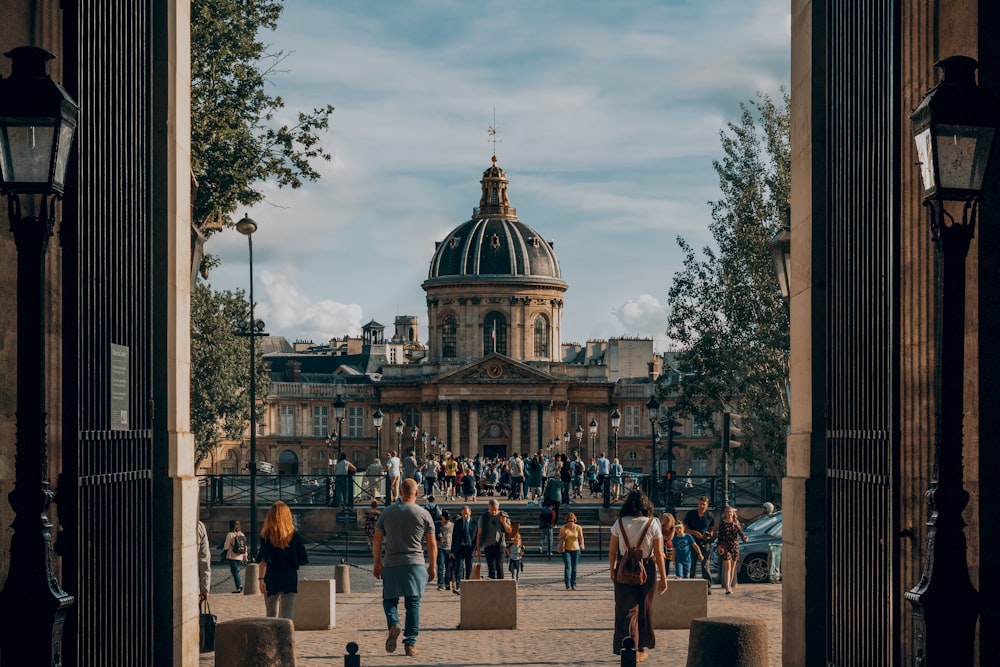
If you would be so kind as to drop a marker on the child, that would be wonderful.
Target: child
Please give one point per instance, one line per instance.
(683, 545)
(515, 551)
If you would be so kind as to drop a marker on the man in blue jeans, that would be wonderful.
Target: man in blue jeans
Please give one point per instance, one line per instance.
(403, 528)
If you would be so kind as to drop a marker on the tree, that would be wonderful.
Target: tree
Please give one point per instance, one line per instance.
(235, 143)
(220, 369)
(726, 309)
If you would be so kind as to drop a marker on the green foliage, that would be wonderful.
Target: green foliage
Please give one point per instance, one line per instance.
(726, 309)
(236, 144)
(220, 397)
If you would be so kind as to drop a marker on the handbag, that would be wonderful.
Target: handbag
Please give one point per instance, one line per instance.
(206, 628)
(477, 572)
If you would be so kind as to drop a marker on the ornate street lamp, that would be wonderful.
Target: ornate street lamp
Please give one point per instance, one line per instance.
(414, 432)
(781, 253)
(653, 411)
(593, 436)
(400, 425)
(252, 329)
(579, 436)
(954, 128)
(424, 438)
(616, 421)
(339, 412)
(557, 441)
(377, 417)
(37, 125)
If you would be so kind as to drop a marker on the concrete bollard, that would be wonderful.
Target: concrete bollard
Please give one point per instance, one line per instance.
(352, 658)
(734, 641)
(260, 642)
(250, 584)
(342, 576)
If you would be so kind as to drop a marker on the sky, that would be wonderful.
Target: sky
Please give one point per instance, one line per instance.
(608, 117)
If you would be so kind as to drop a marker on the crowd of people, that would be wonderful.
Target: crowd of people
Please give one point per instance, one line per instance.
(413, 544)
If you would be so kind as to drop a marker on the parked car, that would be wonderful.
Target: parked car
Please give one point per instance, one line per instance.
(752, 566)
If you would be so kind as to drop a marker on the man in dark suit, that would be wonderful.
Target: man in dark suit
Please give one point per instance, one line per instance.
(463, 543)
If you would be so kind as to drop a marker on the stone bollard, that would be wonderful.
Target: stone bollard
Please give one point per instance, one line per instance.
(342, 576)
(250, 584)
(734, 641)
(260, 642)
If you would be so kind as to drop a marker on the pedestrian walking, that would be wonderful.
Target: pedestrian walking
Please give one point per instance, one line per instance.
(463, 544)
(403, 529)
(571, 544)
(686, 551)
(700, 524)
(204, 563)
(636, 528)
(445, 561)
(728, 546)
(343, 472)
(280, 556)
(235, 548)
(515, 556)
(371, 517)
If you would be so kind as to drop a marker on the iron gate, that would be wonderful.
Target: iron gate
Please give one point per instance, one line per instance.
(107, 485)
(862, 332)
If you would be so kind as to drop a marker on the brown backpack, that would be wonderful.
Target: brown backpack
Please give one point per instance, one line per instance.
(631, 570)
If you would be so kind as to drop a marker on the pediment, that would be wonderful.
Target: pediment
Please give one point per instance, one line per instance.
(495, 368)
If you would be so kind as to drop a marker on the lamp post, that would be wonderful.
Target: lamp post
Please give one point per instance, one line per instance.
(37, 123)
(593, 436)
(579, 436)
(252, 329)
(339, 412)
(616, 421)
(424, 438)
(558, 440)
(653, 411)
(400, 425)
(414, 432)
(954, 128)
(377, 423)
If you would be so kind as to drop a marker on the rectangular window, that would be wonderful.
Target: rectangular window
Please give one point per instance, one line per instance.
(697, 430)
(228, 470)
(355, 421)
(576, 419)
(321, 420)
(287, 426)
(319, 472)
(412, 418)
(631, 418)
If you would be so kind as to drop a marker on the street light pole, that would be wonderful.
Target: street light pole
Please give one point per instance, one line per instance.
(414, 432)
(377, 423)
(339, 411)
(653, 409)
(37, 124)
(593, 437)
(247, 226)
(616, 420)
(954, 127)
(400, 425)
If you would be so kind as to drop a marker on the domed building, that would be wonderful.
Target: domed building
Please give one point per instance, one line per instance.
(494, 285)
(493, 378)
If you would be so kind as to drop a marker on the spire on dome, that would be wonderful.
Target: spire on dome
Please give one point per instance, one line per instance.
(494, 200)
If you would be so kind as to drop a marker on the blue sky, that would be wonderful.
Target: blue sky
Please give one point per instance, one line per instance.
(609, 116)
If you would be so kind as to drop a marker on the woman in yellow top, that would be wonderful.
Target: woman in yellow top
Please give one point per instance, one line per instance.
(450, 472)
(571, 543)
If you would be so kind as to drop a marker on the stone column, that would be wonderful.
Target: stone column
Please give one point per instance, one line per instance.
(473, 429)
(533, 427)
(456, 429)
(515, 428)
(442, 423)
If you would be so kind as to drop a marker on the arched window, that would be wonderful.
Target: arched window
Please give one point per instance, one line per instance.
(449, 337)
(541, 337)
(288, 463)
(495, 333)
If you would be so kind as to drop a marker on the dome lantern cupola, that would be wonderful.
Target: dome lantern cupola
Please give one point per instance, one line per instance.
(494, 200)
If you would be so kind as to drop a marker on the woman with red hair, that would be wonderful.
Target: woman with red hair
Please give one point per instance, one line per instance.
(281, 553)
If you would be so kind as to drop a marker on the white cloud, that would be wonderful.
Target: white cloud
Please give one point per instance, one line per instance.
(286, 308)
(643, 315)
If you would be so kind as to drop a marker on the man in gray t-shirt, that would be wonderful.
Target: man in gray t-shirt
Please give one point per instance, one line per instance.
(402, 529)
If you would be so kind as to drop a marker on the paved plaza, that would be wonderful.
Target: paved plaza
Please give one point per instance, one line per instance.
(555, 626)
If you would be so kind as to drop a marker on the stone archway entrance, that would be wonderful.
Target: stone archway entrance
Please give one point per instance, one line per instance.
(494, 440)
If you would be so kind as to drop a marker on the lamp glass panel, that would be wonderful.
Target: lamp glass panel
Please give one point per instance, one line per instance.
(29, 153)
(925, 157)
(66, 132)
(962, 151)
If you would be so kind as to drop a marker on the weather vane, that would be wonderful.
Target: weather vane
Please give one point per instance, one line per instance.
(494, 131)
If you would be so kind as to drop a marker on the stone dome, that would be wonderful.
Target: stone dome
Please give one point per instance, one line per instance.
(494, 245)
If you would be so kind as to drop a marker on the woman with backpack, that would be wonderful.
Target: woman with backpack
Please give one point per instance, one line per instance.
(636, 555)
(235, 547)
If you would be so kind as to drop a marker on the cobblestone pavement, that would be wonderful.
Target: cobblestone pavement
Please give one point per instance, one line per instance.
(555, 626)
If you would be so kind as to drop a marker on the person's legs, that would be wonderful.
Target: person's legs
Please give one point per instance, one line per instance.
(682, 568)
(442, 561)
(574, 562)
(390, 607)
(286, 605)
(271, 606)
(236, 569)
(706, 568)
(566, 567)
(412, 628)
(494, 561)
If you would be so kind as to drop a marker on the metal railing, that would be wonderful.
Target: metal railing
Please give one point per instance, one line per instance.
(291, 489)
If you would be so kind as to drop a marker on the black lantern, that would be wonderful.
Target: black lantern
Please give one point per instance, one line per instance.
(781, 253)
(339, 413)
(37, 124)
(377, 417)
(653, 411)
(616, 421)
(954, 127)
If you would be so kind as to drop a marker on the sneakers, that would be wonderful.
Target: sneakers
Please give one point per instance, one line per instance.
(390, 641)
(411, 650)
(457, 591)
(440, 588)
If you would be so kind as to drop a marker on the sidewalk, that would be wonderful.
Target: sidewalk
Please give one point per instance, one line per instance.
(555, 626)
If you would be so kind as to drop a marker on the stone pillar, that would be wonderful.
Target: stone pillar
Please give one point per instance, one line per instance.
(533, 427)
(473, 429)
(442, 423)
(456, 429)
(515, 429)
